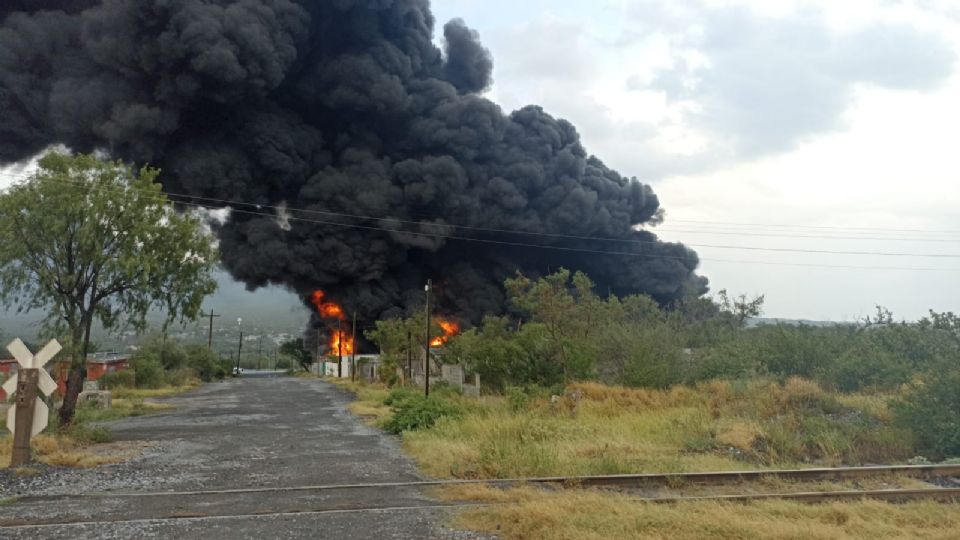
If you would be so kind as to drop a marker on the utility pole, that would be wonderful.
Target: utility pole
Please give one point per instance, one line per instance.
(353, 350)
(210, 329)
(318, 351)
(259, 350)
(339, 351)
(426, 344)
(239, 343)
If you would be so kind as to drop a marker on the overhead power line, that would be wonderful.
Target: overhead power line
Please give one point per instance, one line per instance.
(508, 231)
(801, 235)
(818, 227)
(727, 224)
(522, 244)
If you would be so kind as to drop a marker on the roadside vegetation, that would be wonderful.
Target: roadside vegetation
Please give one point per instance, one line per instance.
(79, 445)
(163, 366)
(576, 384)
(716, 425)
(667, 387)
(528, 513)
(160, 368)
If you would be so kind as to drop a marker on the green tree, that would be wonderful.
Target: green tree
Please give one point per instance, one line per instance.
(399, 337)
(568, 310)
(294, 349)
(740, 308)
(89, 239)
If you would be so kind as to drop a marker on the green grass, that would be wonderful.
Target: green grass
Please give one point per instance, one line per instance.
(121, 408)
(144, 393)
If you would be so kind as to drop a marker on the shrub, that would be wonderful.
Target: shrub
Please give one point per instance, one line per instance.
(932, 411)
(118, 379)
(148, 371)
(206, 364)
(181, 377)
(414, 411)
(517, 398)
(398, 396)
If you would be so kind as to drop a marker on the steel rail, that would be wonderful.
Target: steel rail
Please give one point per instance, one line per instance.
(612, 481)
(897, 495)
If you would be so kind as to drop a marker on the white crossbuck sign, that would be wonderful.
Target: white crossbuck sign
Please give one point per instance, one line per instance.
(45, 384)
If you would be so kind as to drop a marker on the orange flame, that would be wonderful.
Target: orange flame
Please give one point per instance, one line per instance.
(449, 328)
(327, 310)
(340, 343)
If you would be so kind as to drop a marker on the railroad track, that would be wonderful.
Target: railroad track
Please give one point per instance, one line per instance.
(599, 481)
(349, 498)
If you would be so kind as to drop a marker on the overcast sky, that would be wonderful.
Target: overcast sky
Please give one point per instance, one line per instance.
(824, 126)
(835, 119)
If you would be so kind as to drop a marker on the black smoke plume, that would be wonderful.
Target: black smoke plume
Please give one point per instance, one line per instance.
(327, 108)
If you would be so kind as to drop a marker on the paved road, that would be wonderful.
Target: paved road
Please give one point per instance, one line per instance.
(244, 443)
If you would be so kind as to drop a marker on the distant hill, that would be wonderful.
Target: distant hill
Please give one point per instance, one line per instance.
(760, 321)
(268, 311)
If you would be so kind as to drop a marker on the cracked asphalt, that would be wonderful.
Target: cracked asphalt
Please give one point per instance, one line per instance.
(262, 450)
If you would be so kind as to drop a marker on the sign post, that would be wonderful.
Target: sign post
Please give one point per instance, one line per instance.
(30, 414)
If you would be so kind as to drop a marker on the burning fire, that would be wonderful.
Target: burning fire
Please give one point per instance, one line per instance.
(450, 329)
(335, 343)
(339, 343)
(327, 310)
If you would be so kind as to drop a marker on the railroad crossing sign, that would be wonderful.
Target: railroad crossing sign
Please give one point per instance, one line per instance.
(30, 377)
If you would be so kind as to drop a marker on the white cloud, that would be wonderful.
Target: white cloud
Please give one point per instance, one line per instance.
(811, 113)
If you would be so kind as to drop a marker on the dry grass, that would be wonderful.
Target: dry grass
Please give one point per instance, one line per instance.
(84, 446)
(526, 513)
(717, 425)
(369, 403)
(65, 450)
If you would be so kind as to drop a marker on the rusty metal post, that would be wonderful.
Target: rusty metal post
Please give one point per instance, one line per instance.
(26, 401)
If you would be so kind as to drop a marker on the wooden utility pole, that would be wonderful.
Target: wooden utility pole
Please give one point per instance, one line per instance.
(353, 350)
(426, 344)
(239, 343)
(239, 349)
(319, 341)
(210, 329)
(259, 351)
(339, 350)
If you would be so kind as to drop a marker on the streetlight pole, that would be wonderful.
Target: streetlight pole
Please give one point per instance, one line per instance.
(426, 344)
(239, 343)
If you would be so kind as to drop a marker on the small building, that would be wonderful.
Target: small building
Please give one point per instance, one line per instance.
(368, 366)
(98, 365)
(8, 367)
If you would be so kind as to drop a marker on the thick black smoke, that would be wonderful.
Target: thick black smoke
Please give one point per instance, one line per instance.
(332, 107)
